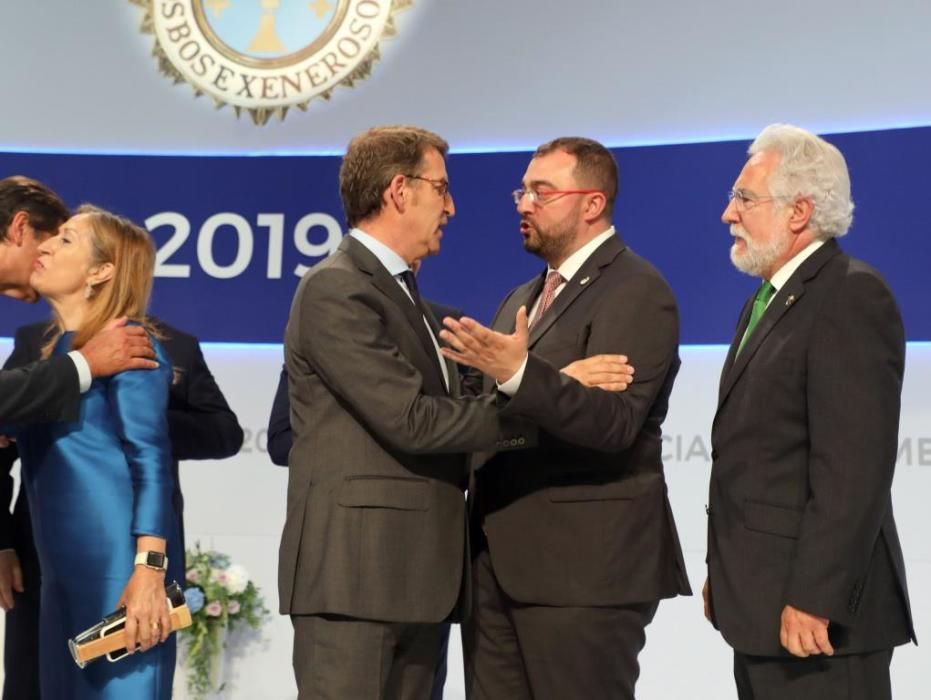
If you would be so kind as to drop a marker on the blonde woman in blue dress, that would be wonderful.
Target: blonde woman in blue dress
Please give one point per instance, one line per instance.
(100, 488)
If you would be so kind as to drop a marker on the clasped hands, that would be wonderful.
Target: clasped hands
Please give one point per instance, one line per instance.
(500, 356)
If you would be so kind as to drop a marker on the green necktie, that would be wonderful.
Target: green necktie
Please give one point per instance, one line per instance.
(760, 302)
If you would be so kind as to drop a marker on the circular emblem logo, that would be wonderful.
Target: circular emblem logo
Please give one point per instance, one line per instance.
(266, 56)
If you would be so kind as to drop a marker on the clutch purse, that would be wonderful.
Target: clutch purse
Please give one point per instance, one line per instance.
(109, 636)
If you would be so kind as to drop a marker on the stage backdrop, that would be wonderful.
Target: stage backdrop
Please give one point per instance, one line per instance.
(236, 233)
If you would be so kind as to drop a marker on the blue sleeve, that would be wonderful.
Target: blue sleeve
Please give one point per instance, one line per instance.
(139, 402)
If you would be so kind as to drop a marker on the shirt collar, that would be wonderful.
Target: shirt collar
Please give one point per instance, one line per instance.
(785, 272)
(575, 261)
(389, 259)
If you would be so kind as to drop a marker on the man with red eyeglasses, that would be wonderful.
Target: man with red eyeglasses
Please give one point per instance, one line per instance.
(574, 542)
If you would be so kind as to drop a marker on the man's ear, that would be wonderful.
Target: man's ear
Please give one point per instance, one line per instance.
(101, 273)
(800, 217)
(398, 193)
(18, 228)
(595, 207)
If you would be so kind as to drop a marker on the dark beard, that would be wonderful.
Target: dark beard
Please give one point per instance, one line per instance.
(552, 244)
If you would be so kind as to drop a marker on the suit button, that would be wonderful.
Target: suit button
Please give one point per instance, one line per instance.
(521, 441)
(714, 455)
(513, 442)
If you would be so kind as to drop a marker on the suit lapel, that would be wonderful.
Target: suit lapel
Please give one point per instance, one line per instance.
(784, 299)
(503, 322)
(389, 286)
(522, 296)
(451, 368)
(735, 342)
(581, 281)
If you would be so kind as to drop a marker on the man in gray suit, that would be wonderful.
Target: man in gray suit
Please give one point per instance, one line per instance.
(374, 548)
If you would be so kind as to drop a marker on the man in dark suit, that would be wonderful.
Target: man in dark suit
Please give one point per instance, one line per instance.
(806, 579)
(50, 390)
(574, 542)
(201, 426)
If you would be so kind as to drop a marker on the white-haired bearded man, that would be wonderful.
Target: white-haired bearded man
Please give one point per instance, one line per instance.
(806, 579)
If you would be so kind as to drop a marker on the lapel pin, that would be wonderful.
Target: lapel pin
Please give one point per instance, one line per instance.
(584, 280)
(790, 300)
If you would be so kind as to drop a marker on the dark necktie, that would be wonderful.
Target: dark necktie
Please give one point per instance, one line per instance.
(760, 302)
(411, 283)
(553, 280)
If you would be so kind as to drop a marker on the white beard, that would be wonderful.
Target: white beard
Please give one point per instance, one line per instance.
(757, 258)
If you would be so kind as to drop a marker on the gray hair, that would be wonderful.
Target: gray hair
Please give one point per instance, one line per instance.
(809, 167)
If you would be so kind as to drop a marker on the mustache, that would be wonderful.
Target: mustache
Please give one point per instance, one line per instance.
(738, 231)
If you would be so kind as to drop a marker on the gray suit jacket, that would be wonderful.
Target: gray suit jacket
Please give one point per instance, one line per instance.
(584, 519)
(804, 447)
(375, 524)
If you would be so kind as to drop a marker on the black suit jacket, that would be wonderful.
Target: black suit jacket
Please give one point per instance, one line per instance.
(804, 446)
(280, 436)
(200, 423)
(584, 519)
(41, 392)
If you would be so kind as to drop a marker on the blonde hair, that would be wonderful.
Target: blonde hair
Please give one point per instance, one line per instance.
(117, 240)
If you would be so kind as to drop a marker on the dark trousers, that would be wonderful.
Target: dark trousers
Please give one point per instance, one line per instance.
(519, 652)
(854, 677)
(337, 657)
(21, 647)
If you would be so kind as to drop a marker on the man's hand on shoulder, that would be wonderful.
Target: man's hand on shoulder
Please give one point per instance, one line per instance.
(803, 634)
(118, 347)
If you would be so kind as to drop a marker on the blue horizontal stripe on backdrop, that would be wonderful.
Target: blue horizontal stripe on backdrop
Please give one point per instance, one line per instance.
(233, 230)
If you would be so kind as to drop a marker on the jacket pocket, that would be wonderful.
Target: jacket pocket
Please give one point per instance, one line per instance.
(772, 520)
(398, 493)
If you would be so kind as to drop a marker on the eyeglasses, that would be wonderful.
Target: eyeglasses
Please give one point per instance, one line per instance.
(745, 199)
(441, 186)
(540, 197)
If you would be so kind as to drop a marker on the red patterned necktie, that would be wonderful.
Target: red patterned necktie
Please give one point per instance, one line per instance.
(553, 280)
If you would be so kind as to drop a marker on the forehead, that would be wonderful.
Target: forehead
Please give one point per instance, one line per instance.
(555, 168)
(434, 166)
(756, 171)
(78, 225)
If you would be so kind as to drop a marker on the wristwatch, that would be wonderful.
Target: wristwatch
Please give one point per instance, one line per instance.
(152, 560)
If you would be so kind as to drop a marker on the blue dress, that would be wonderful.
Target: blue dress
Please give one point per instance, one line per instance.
(93, 486)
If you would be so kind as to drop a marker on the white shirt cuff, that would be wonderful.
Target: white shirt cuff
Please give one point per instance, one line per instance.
(510, 387)
(84, 370)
